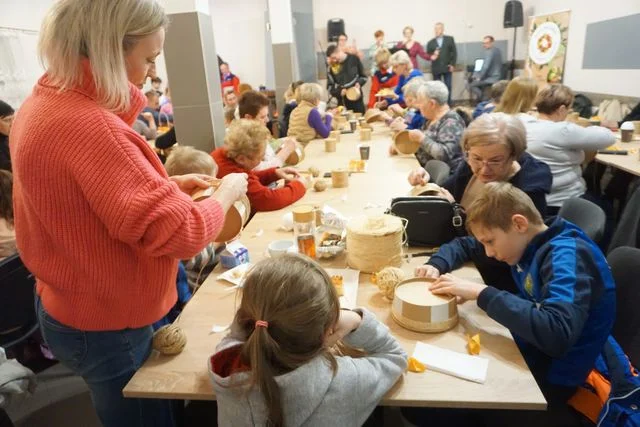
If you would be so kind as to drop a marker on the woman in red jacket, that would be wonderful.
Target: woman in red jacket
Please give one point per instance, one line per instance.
(97, 219)
(384, 77)
(245, 144)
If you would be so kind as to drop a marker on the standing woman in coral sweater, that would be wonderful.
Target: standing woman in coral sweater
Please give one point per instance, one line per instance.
(98, 221)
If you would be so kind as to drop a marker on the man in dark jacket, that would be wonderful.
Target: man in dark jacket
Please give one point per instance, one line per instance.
(443, 66)
(344, 72)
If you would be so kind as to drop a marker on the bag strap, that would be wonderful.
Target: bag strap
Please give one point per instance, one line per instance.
(458, 219)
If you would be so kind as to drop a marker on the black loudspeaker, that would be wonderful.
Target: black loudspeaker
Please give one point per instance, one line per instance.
(513, 14)
(335, 27)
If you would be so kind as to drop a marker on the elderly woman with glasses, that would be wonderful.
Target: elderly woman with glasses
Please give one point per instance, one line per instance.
(494, 150)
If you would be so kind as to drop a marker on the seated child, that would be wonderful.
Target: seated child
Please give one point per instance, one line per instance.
(306, 121)
(565, 308)
(255, 106)
(245, 144)
(277, 355)
(185, 160)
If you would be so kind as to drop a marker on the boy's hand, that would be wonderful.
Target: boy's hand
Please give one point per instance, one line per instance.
(428, 271)
(464, 289)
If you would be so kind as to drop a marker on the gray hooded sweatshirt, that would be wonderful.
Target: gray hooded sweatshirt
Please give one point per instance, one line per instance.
(312, 395)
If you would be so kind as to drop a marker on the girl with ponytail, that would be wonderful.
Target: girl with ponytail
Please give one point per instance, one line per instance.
(275, 367)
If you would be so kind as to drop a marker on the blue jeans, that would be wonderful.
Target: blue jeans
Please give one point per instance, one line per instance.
(107, 360)
(446, 78)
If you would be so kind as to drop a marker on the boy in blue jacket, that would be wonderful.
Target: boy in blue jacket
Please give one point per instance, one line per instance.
(565, 308)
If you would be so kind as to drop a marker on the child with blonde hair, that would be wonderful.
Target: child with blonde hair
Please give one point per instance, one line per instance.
(245, 145)
(185, 160)
(277, 355)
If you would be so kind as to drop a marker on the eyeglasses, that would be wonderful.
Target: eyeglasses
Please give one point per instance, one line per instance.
(477, 162)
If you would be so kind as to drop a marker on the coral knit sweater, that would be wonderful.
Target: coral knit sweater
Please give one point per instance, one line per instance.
(97, 220)
(262, 198)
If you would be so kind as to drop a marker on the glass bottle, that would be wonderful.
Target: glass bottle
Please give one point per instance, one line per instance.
(304, 230)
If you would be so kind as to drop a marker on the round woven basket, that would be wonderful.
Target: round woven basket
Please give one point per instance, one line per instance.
(353, 94)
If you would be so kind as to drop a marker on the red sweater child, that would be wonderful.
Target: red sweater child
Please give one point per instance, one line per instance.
(230, 80)
(262, 198)
(382, 79)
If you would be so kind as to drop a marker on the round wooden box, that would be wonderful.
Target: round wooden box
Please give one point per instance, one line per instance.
(428, 189)
(296, 156)
(414, 307)
(403, 144)
(235, 219)
(353, 94)
(372, 115)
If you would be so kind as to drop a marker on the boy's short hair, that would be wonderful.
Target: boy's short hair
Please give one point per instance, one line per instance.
(251, 102)
(245, 137)
(185, 159)
(497, 203)
(378, 33)
(156, 80)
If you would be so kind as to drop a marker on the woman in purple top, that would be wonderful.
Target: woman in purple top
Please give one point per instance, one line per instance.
(414, 48)
(306, 122)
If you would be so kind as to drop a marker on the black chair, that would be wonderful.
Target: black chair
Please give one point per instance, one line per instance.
(627, 232)
(438, 171)
(18, 319)
(625, 266)
(586, 215)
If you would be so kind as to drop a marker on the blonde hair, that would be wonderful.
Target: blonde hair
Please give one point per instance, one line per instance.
(245, 137)
(382, 55)
(244, 87)
(408, 27)
(310, 92)
(553, 97)
(496, 128)
(185, 159)
(293, 90)
(399, 58)
(103, 32)
(229, 114)
(497, 203)
(294, 295)
(519, 96)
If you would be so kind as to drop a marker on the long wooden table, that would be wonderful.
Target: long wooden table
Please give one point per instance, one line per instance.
(509, 384)
(629, 162)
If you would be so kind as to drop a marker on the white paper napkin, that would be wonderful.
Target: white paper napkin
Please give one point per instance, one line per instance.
(472, 368)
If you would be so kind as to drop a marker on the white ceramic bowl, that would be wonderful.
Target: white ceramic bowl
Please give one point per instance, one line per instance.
(279, 247)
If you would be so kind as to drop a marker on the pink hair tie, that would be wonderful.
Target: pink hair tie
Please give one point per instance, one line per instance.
(262, 323)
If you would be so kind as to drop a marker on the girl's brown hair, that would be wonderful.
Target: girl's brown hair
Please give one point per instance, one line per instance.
(519, 96)
(295, 296)
(6, 196)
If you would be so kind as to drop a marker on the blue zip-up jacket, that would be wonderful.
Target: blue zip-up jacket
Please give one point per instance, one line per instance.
(402, 80)
(417, 121)
(534, 178)
(565, 308)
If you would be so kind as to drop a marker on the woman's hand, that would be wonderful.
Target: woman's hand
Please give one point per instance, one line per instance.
(428, 271)
(461, 288)
(381, 104)
(392, 150)
(418, 176)
(416, 135)
(192, 182)
(288, 146)
(396, 109)
(347, 322)
(287, 173)
(398, 124)
(231, 187)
